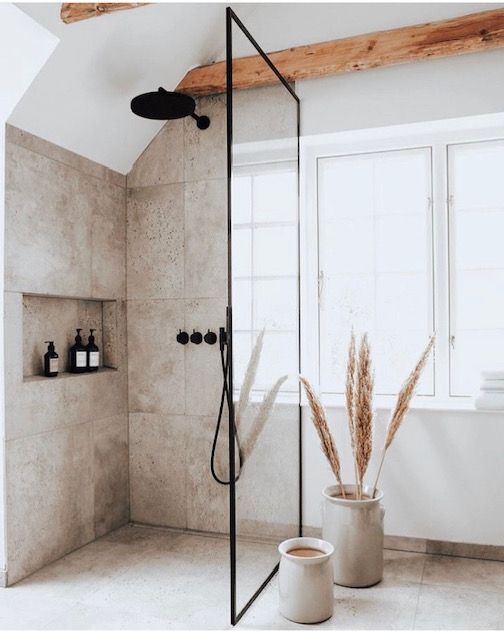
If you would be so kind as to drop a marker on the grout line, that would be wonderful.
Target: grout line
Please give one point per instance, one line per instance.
(177, 182)
(74, 425)
(460, 557)
(419, 592)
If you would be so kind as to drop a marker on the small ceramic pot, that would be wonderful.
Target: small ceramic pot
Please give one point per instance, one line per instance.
(306, 583)
(355, 529)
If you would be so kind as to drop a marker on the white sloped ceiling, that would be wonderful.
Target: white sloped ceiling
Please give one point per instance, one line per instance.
(80, 100)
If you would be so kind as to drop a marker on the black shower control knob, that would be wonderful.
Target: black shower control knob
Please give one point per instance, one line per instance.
(210, 337)
(182, 337)
(196, 337)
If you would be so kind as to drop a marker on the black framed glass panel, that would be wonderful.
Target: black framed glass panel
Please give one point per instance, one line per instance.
(263, 317)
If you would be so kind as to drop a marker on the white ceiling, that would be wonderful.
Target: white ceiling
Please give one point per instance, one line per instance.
(80, 100)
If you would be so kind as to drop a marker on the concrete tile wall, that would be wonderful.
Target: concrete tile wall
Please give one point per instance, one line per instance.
(66, 438)
(177, 279)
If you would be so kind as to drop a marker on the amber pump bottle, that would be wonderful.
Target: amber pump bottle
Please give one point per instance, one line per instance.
(51, 361)
(78, 355)
(93, 353)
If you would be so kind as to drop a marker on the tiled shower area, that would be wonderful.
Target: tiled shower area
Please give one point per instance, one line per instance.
(259, 289)
(137, 258)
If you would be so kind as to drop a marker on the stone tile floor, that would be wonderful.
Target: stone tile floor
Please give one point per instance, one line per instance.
(140, 578)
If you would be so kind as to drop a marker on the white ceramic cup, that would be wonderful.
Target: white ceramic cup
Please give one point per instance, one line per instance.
(306, 584)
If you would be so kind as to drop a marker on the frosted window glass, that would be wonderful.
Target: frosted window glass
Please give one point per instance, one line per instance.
(401, 243)
(400, 302)
(265, 271)
(376, 263)
(279, 357)
(275, 251)
(479, 300)
(350, 243)
(476, 189)
(477, 175)
(479, 240)
(345, 186)
(275, 197)
(242, 307)
(346, 301)
(242, 199)
(242, 348)
(242, 252)
(394, 356)
(275, 304)
(402, 181)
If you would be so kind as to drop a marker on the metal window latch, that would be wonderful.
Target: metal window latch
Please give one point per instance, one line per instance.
(452, 342)
(320, 283)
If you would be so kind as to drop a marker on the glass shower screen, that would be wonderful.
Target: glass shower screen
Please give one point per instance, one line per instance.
(263, 315)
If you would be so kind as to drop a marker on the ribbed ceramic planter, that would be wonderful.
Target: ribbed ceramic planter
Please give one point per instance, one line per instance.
(306, 584)
(355, 529)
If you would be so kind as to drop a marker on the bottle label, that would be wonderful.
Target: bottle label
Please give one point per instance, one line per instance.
(94, 358)
(80, 359)
(53, 365)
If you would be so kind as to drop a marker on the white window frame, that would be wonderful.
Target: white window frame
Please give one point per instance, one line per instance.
(437, 135)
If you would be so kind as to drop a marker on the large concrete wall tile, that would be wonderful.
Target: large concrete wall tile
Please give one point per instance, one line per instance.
(156, 242)
(205, 239)
(48, 217)
(50, 497)
(111, 488)
(108, 241)
(203, 370)
(205, 150)
(207, 501)
(59, 154)
(157, 446)
(155, 359)
(161, 163)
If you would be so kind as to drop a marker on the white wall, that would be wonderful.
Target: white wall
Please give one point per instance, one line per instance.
(428, 90)
(444, 476)
(24, 48)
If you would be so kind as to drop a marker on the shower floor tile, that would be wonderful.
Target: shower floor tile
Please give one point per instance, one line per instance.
(143, 578)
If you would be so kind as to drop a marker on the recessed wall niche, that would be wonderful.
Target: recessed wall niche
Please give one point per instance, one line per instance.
(56, 318)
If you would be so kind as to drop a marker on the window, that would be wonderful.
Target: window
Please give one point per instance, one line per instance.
(476, 199)
(265, 270)
(375, 262)
(402, 234)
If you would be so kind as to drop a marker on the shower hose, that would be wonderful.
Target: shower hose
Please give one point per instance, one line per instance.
(225, 395)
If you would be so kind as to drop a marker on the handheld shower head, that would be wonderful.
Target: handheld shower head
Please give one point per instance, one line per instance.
(167, 105)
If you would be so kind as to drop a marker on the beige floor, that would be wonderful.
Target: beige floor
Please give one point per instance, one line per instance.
(137, 578)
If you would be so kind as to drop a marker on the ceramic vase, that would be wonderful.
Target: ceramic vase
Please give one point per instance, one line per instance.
(306, 583)
(355, 529)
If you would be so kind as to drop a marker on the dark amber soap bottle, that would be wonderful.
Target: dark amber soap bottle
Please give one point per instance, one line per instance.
(78, 355)
(93, 353)
(51, 361)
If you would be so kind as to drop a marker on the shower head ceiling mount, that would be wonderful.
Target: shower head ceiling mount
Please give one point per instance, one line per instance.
(167, 105)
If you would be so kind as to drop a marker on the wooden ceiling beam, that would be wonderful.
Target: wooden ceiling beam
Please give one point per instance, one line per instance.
(465, 34)
(76, 11)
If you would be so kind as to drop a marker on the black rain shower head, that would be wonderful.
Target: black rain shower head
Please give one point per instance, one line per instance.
(167, 105)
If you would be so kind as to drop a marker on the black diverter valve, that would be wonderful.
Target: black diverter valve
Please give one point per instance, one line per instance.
(182, 337)
(210, 337)
(196, 337)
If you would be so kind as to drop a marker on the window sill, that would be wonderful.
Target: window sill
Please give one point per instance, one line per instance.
(464, 405)
(381, 404)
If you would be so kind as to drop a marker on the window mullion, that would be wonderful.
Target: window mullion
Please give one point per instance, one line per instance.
(441, 271)
(309, 259)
